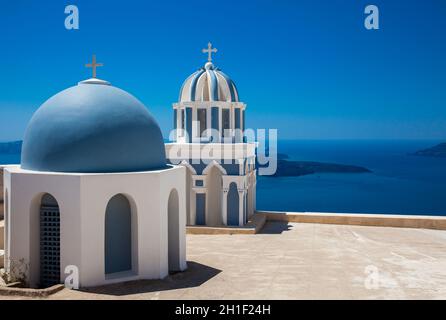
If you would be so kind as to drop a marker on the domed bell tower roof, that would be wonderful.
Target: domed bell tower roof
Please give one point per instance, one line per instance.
(209, 83)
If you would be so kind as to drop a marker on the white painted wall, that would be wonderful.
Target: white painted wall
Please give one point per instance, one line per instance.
(82, 200)
(182, 152)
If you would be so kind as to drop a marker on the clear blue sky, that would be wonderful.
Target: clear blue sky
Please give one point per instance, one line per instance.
(308, 68)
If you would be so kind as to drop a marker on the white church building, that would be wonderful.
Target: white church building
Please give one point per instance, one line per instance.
(209, 123)
(94, 191)
(98, 191)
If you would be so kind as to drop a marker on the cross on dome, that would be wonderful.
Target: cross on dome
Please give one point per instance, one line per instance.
(94, 65)
(210, 51)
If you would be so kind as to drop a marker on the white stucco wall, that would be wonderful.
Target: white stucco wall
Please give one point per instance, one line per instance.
(243, 153)
(82, 200)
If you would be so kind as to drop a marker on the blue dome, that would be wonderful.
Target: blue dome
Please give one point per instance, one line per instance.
(93, 128)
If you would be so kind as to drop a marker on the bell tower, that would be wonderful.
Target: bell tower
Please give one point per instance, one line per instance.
(208, 138)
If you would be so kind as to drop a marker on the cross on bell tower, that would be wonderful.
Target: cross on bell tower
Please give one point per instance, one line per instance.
(210, 51)
(94, 65)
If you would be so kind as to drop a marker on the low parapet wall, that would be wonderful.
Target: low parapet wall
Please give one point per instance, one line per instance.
(27, 292)
(254, 225)
(377, 220)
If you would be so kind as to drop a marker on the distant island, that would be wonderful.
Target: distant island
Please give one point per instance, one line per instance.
(285, 167)
(438, 151)
(288, 168)
(12, 147)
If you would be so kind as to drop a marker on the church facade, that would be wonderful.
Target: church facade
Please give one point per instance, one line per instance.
(209, 122)
(99, 195)
(94, 193)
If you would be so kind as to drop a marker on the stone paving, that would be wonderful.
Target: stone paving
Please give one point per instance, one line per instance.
(300, 261)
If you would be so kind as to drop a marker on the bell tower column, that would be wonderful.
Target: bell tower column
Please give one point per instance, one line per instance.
(224, 206)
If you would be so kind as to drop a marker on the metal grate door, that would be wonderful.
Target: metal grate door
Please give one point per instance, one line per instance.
(49, 245)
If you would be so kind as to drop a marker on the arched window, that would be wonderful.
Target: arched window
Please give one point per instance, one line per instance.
(49, 241)
(233, 205)
(118, 235)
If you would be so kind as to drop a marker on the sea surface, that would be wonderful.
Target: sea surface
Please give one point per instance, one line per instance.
(399, 184)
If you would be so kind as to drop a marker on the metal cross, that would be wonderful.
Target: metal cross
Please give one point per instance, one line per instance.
(209, 51)
(94, 65)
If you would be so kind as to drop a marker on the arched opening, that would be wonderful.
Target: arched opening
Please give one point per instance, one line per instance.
(200, 204)
(118, 235)
(49, 241)
(173, 215)
(214, 196)
(233, 205)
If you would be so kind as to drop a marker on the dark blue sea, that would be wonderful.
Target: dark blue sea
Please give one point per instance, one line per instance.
(399, 184)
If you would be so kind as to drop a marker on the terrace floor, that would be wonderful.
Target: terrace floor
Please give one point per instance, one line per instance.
(299, 261)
